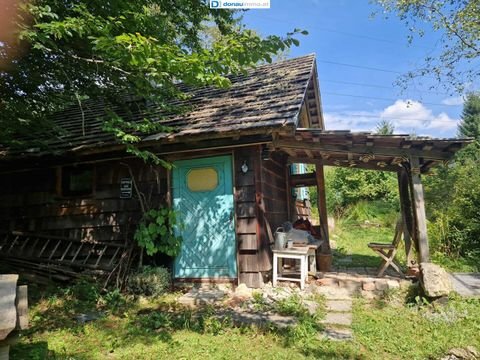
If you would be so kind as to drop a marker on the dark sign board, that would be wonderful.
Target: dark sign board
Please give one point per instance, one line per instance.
(125, 188)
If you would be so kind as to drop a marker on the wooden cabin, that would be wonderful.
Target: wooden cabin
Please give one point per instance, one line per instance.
(231, 181)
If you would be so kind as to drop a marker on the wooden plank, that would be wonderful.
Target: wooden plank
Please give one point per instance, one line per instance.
(290, 145)
(264, 258)
(246, 210)
(322, 205)
(251, 279)
(247, 226)
(247, 242)
(301, 180)
(406, 211)
(21, 304)
(419, 210)
(245, 179)
(245, 194)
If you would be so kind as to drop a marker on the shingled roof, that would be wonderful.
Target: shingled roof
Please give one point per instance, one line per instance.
(268, 97)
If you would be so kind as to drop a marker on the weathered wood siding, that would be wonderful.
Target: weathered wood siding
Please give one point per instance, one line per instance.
(247, 215)
(31, 201)
(261, 202)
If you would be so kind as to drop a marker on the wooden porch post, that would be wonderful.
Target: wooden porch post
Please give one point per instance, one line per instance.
(407, 219)
(322, 204)
(419, 209)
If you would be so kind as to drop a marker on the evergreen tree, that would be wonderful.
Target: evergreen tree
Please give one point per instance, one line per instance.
(385, 127)
(470, 124)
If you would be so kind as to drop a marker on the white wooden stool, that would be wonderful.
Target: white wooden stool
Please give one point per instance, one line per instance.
(300, 253)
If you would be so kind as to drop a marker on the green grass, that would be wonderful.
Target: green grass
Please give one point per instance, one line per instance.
(161, 329)
(352, 240)
(399, 331)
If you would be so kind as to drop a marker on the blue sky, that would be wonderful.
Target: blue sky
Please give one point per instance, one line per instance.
(359, 58)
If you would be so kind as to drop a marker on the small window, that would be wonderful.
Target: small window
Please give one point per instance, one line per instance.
(205, 179)
(77, 180)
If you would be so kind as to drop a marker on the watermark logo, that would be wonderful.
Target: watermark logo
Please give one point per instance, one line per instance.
(222, 4)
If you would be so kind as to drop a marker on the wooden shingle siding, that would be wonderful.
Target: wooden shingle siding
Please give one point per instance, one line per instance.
(275, 190)
(247, 219)
(30, 201)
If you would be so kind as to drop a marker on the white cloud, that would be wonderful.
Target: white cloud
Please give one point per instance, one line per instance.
(453, 101)
(408, 117)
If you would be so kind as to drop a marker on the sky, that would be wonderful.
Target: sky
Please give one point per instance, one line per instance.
(359, 59)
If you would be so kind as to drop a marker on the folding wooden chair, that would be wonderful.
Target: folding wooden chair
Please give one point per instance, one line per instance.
(387, 251)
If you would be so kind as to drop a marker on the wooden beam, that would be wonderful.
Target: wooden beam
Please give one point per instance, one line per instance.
(359, 149)
(407, 218)
(419, 210)
(322, 205)
(309, 153)
(300, 180)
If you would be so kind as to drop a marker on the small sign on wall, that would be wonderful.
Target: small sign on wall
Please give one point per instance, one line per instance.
(126, 188)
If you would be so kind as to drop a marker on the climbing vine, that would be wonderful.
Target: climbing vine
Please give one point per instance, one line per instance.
(156, 233)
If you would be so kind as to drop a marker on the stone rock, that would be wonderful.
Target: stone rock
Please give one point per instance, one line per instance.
(370, 295)
(435, 280)
(327, 282)
(368, 286)
(8, 312)
(468, 353)
(243, 291)
(381, 285)
(89, 316)
(311, 306)
(351, 285)
(393, 284)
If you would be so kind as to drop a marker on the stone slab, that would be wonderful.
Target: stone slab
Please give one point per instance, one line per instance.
(337, 334)
(339, 305)
(8, 312)
(334, 293)
(466, 284)
(196, 297)
(257, 319)
(342, 319)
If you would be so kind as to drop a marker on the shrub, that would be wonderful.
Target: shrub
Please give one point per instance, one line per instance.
(149, 281)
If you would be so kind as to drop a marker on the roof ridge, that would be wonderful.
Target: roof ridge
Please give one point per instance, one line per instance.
(275, 63)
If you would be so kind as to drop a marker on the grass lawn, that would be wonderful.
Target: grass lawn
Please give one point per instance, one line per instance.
(352, 238)
(160, 329)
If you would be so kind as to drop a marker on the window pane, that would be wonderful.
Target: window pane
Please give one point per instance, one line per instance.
(205, 179)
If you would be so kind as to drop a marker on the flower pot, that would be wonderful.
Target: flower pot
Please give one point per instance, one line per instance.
(324, 262)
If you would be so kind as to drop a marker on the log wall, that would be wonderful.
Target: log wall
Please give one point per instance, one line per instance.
(32, 201)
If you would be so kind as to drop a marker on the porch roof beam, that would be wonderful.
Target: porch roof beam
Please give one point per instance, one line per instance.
(386, 151)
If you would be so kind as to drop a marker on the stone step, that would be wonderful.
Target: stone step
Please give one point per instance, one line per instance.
(336, 334)
(355, 284)
(240, 318)
(339, 305)
(338, 319)
(334, 293)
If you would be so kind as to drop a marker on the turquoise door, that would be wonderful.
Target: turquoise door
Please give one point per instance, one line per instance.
(203, 199)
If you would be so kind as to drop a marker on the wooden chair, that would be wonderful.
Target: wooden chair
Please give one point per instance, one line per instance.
(387, 251)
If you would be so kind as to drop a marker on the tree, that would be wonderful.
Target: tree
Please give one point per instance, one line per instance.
(453, 199)
(458, 23)
(385, 127)
(470, 124)
(109, 50)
